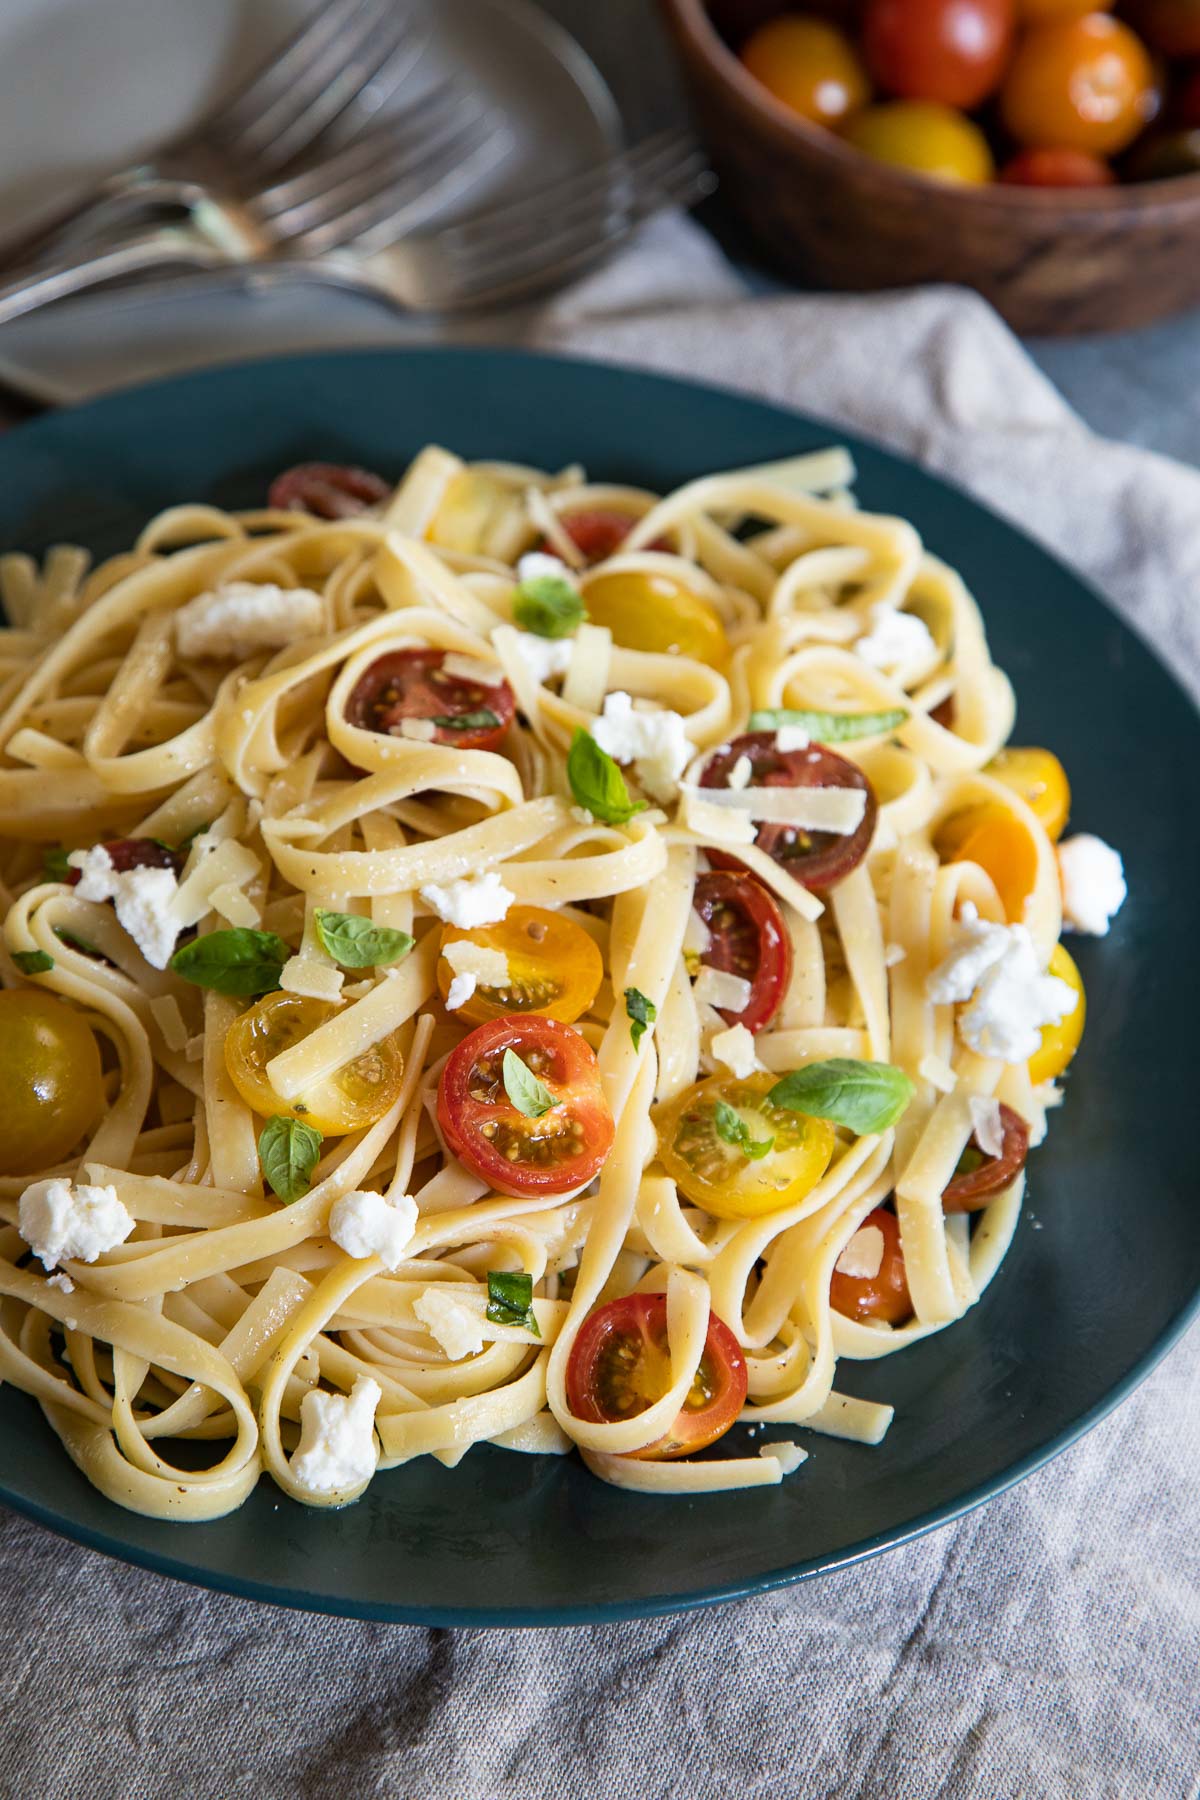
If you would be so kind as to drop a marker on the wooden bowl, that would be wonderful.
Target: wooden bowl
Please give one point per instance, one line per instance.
(1050, 260)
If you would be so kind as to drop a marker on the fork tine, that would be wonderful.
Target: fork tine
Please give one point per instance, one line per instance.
(315, 181)
(263, 89)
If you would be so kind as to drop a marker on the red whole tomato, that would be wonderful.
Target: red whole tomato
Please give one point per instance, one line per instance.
(980, 1176)
(518, 1152)
(1172, 26)
(880, 1296)
(620, 1364)
(412, 684)
(327, 490)
(1056, 169)
(818, 859)
(135, 853)
(1079, 84)
(951, 51)
(747, 937)
(598, 532)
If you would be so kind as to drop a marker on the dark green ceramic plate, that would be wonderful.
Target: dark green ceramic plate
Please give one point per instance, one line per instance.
(1105, 1269)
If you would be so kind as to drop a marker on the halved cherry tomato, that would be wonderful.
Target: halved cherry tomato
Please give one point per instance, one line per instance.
(353, 1097)
(50, 1077)
(655, 612)
(1040, 780)
(1172, 26)
(554, 967)
(952, 51)
(979, 1175)
(747, 937)
(810, 67)
(327, 490)
(554, 1154)
(922, 136)
(720, 1176)
(1003, 848)
(134, 853)
(882, 1296)
(1079, 84)
(944, 713)
(620, 1364)
(1060, 1042)
(1056, 169)
(819, 859)
(598, 532)
(411, 684)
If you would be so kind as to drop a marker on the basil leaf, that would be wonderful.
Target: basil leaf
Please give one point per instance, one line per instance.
(642, 1012)
(549, 605)
(483, 720)
(289, 1151)
(598, 784)
(732, 1127)
(74, 942)
(55, 866)
(827, 727)
(510, 1300)
(529, 1095)
(358, 943)
(32, 962)
(240, 962)
(865, 1097)
(185, 843)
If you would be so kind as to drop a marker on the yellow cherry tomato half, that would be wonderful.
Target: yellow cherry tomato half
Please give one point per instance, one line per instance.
(353, 1097)
(554, 967)
(656, 612)
(1060, 1042)
(922, 136)
(720, 1175)
(50, 1077)
(1003, 849)
(1040, 780)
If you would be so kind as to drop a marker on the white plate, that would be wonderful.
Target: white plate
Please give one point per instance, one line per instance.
(165, 62)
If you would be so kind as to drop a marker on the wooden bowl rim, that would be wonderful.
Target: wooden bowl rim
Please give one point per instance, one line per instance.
(1157, 200)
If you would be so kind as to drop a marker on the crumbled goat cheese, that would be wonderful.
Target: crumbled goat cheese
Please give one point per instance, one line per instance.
(1093, 883)
(893, 954)
(475, 900)
(62, 1222)
(459, 992)
(473, 669)
(739, 775)
(143, 900)
(419, 731)
(717, 987)
(457, 1329)
(735, 1048)
(544, 657)
(582, 816)
(862, 1258)
(336, 1453)
(656, 743)
(789, 1456)
(996, 968)
(245, 617)
(790, 737)
(895, 639)
(364, 1223)
(987, 1123)
(488, 966)
(535, 565)
(63, 1283)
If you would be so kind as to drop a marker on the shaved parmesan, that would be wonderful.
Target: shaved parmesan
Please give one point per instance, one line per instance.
(862, 1258)
(421, 731)
(230, 863)
(717, 987)
(713, 824)
(742, 770)
(234, 905)
(937, 1071)
(989, 1127)
(488, 966)
(835, 809)
(893, 954)
(791, 737)
(696, 935)
(789, 1456)
(314, 980)
(471, 668)
(735, 1048)
(586, 680)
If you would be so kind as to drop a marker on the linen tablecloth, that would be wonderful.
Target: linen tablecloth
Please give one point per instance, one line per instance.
(1046, 1647)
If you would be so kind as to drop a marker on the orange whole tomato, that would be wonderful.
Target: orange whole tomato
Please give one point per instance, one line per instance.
(1079, 84)
(950, 51)
(811, 67)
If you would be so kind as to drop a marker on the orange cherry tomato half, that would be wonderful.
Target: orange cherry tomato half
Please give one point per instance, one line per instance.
(979, 1176)
(1005, 850)
(1172, 26)
(1056, 169)
(810, 67)
(819, 859)
(747, 937)
(882, 1296)
(951, 51)
(1079, 84)
(925, 138)
(517, 1154)
(598, 532)
(327, 490)
(620, 1364)
(554, 967)
(411, 684)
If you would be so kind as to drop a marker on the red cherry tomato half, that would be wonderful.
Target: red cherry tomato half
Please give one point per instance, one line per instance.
(951, 51)
(516, 1154)
(979, 1176)
(882, 1296)
(598, 532)
(1057, 169)
(411, 684)
(818, 859)
(327, 490)
(134, 853)
(620, 1364)
(747, 937)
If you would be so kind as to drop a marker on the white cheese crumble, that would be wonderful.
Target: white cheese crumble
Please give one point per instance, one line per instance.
(475, 900)
(419, 731)
(656, 743)
(364, 1223)
(459, 992)
(996, 968)
(456, 1328)
(535, 565)
(488, 966)
(789, 1456)
(937, 1071)
(893, 954)
(143, 900)
(336, 1452)
(543, 657)
(63, 1283)
(836, 809)
(717, 987)
(471, 668)
(60, 1221)
(790, 737)
(735, 1048)
(862, 1258)
(245, 617)
(987, 1123)
(739, 775)
(696, 935)
(895, 640)
(1093, 883)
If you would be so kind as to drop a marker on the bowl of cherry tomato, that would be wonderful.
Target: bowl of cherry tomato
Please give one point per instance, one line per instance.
(1045, 152)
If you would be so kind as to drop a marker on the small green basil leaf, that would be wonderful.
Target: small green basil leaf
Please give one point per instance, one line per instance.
(289, 1151)
(74, 942)
(598, 784)
(32, 962)
(827, 727)
(732, 1127)
(529, 1095)
(865, 1097)
(55, 866)
(549, 605)
(357, 943)
(510, 1300)
(641, 1012)
(240, 962)
(483, 720)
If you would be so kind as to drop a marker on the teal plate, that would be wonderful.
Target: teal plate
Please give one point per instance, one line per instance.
(1104, 1272)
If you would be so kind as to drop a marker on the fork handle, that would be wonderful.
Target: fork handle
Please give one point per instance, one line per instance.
(77, 275)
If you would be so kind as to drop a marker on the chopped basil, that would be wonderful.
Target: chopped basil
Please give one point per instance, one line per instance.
(598, 784)
(289, 1151)
(240, 962)
(74, 942)
(55, 866)
(549, 605)
(732, 1127)
(865, 1097)
(510, 1300)
(32, 962)
(827, 727)
(483, 720)
(529, 1095)
(642, 1012)
(357, 943)
(185, 843)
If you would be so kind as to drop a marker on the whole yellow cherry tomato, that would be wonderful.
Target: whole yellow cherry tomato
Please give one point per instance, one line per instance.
(809, 66)
(719, 1175)
(1060, 1042)
(50, 1077)
(353, 1097)
(928, 139)
(1040, 780)
(554, 967)
(655, 612)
